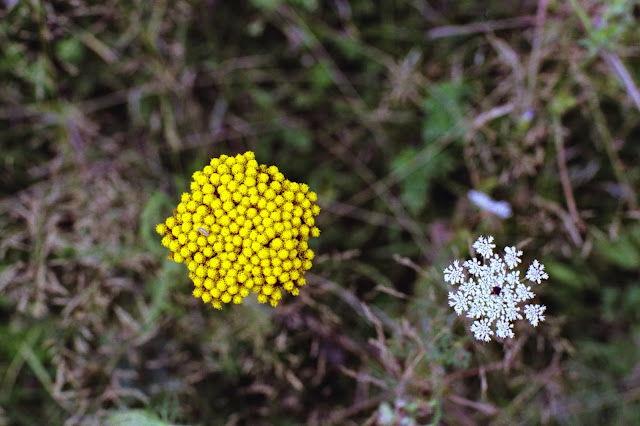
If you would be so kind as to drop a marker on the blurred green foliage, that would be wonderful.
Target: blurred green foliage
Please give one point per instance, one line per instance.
(391, 112)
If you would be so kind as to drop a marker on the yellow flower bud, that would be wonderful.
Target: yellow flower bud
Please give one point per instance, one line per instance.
(184, 252)
(275, 186)
(237, 168)
(162, 229)
(200, 272)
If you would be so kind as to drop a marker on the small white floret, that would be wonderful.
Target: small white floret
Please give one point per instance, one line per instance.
(454, 273)
(512, 256)
(482, 330)
(534, 313)
(536, 272)
(484, 246)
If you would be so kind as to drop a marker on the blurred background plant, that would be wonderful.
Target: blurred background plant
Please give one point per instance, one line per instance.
(391, 113)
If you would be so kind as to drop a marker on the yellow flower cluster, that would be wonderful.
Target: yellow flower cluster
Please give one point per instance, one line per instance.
(243, 227)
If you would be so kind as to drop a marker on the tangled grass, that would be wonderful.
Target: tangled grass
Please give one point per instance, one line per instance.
(392, 114)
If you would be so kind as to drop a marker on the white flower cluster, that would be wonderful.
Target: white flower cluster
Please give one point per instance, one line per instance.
(491, 291)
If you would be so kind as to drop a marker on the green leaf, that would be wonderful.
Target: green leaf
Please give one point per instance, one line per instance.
(156, 210)
(320, 75)
(445, 109)
(70, 50)
(40, 74)
(416, 186)
(14, 55)
(562, 103)
(621, 253)
(564, 274)
(266, 5)
(349, 47)
(263, 98)
(135, 418)
(297, 137)
(310, 5)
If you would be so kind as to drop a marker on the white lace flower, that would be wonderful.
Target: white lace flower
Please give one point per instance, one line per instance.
(534, 313)
(513, 313)
(524, 292)
(454, 274)
(473, 266)
(476, 309)
(536, 272)
(504, 329)
(497, 266)
(459, 301)
(512, 256)
(469, 287)
(482, 330)
(484, 246)
(492, 293)
(513, 277)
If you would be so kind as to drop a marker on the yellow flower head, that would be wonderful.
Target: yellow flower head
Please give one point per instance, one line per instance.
(238, 225)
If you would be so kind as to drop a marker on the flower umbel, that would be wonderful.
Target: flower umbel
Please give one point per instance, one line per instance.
(242, 227)
(491, 292)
